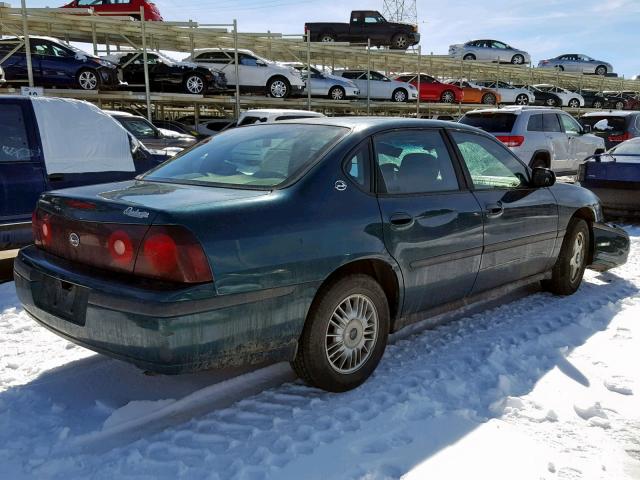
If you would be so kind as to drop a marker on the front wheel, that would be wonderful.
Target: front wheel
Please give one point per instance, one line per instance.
(400, 95)
(619, 105)
(88, 80)
(400, 42)
(194, 84)
(447, 97)
(345, 334)
(469, 56)
(601, 70)
(598, 104)
(517, 59)
(551, 102)
(522, 99)
(574, 103)
(278, 88)
(489, 99)
(569, 268)
(337, 93)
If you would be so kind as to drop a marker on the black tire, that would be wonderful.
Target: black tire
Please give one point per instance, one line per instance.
(88, 79)
(337, 93)
(400, 41)
(522, 99)
(574, 103)
(551, 102)
(448, 97)
(194, 84)
(619, 105)
(538, 162)
(571, 263)
(517, 59)
(601, 70)
(469, 56)
(489, 99)
(327, 37)
(400, 95)
(598, 104)
(312, 362)
(278, 87)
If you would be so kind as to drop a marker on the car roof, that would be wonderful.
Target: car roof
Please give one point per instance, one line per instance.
(276, 111)
(612, 113)
(515, 109)
(218, 49)
(372, 124)
(115, 113)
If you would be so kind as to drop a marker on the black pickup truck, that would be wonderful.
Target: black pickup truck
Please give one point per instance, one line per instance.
(366, 24)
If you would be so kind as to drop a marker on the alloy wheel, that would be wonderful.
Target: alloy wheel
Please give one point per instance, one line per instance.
(351, 334)
(195, 84)
(337, 93)
(402, 42)
(574, 103)
(278, 89)
(517, 60)
(577, 256)
(447, 97)
(522, 100)
(88, 80)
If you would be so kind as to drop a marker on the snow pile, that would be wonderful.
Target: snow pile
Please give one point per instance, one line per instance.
(541, 388)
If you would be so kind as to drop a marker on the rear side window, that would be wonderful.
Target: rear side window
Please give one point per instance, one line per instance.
(535, 123)
(14, 142)
(357, 166)
(414, 161)
(490, 122)
(551, 123)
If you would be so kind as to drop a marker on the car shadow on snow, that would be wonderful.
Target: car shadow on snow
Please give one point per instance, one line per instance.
(431, 389)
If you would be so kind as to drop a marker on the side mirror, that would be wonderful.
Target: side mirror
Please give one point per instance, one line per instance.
(542, 177)
(587, 129)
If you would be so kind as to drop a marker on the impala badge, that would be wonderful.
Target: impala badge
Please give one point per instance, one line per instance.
(74, 240)
(341, 186)
(135, 213)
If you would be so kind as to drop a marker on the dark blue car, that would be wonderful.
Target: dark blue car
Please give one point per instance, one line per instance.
(55, 64)
(308, 241)
(50, 143)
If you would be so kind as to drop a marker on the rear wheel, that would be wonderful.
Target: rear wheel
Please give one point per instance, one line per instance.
(551, 102)
(598, 104)
(345, 334)
(601, 70)
(327, 38)
(619, 105)
(278, 87)
(569, 268)
(88, 80)
(447, 97)
(517, 59)
(400, 41)
(489, 99)
(522, 99)
(469, 56)
(337, 93)
(400, 95)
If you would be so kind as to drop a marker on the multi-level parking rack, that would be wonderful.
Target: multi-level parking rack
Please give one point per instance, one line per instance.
(108, 34)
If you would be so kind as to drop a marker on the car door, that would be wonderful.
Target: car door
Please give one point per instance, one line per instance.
(15, 66)
(220, 60)
(375, 28)
(429, 88)
(578, 147)
(253, 72)
(57, 65)
(558, 141)
(501, 51)
(432, 223)
(133, 72)
(520, 222)
(22, 175)
(379, 88)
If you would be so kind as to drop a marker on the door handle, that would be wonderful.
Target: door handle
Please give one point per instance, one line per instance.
(494, 209)
(400, 219)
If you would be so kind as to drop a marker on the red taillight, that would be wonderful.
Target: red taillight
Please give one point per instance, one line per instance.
(620, 138)
(42, 228)
(172, 253)
(511, 140)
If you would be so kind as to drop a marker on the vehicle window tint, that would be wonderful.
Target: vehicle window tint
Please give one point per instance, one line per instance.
(605, 124)
(248, 61)
(14, 142)
(490, 122)
(138, 127)
(89, 3)
(255, 156)
(353, 75)
(218, 57)
(357, 166)
(490, 164)
(570, 125)
(292, 117)
(550, 122)
(414, 161)
(376, 76)
(536, 123)
(249, 120)
(501, 45)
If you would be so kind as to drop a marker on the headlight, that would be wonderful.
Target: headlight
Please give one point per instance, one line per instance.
(412, 87)
(104, 63)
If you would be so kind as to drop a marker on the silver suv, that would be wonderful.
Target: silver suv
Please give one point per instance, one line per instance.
(540, 136)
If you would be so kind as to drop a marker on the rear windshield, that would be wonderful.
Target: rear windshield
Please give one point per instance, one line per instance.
(603, 124)
(490, 122)
(256, 156)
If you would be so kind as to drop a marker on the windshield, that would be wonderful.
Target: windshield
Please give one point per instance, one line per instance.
(631, 147)
(254, 156)
(490, 122)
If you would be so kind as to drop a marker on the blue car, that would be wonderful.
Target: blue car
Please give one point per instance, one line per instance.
(39, 152)
(56, 64)
(304, 240)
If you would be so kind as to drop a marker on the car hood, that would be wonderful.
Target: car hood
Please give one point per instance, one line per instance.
(141, 202)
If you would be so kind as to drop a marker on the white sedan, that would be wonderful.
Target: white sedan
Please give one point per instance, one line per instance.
(381, 87)
(569, 99)
(508, 93)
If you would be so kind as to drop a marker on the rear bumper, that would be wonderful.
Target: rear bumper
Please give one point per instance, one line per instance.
(610, 247)
(158, 327)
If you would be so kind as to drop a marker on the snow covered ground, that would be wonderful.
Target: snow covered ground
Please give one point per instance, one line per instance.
(540, 388)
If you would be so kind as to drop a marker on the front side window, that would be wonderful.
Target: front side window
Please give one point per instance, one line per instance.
(138, 127)
(414, 161)
(490, 165)
(260, 156)
(248, 61)
(500, 45)
(14, 143)
(569, 124)
(89, 3)
(550, 122)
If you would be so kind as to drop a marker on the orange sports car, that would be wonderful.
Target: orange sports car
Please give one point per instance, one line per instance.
(475, 93)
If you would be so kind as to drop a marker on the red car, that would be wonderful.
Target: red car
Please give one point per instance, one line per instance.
(432, 90)
(120, 7)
